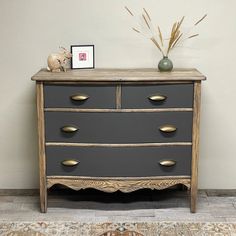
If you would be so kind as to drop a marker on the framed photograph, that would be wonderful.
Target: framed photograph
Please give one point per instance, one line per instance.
(82, 56)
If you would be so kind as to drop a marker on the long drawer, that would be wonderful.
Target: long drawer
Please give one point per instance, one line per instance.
(118, 127)
(80, 96)
(118, 162)
(157, 96)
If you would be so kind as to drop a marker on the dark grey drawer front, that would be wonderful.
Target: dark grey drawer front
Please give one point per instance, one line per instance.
(118, 162)
(177, 95)
(118, 127)
(60, 96)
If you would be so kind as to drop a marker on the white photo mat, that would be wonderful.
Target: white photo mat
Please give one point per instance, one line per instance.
(82, 56)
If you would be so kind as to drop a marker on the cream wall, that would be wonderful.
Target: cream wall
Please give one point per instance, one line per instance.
(31, 29)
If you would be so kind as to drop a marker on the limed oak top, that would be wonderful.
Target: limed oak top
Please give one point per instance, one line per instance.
(118, 75)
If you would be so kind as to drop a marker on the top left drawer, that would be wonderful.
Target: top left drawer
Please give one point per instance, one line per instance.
(79, 96)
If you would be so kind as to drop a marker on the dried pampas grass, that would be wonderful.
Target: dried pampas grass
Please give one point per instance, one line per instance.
(176, 34)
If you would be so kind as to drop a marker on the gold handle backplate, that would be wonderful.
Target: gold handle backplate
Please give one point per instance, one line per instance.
(79, 97)
(70, 163)
(167, 163)
(168, 128)
(157, 98)
(69, 129)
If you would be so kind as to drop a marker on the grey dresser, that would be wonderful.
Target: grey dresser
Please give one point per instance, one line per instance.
(118, 129)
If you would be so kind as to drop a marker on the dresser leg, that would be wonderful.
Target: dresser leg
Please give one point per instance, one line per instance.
(193, 200)
(195, 144)
(41, 143)
(43, 200)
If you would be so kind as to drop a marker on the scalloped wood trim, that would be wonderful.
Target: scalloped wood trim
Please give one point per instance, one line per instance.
(122, 184)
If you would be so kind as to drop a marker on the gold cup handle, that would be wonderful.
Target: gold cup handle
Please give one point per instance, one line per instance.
(69, 129)
(79, 97)
(168, 128)
(70, 163)
(157, 98)
(167, 163)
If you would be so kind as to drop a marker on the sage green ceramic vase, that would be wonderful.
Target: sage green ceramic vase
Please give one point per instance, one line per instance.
(165, 64)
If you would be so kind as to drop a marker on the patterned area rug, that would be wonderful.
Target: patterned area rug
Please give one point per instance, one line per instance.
(116, 229)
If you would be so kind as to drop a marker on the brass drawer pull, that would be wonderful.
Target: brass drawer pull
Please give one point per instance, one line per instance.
(69, 129)
(168, 128)
(167, 163)
(70, 163)
(157, 98)
(79, 97)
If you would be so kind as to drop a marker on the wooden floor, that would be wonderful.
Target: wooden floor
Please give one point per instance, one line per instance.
(144, 205)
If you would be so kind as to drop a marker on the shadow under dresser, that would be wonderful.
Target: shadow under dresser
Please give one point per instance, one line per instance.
(118, 129)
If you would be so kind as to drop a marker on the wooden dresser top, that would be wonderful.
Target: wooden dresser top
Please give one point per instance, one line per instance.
(122, 75)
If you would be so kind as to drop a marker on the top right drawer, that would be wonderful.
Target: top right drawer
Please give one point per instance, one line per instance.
(157, 96)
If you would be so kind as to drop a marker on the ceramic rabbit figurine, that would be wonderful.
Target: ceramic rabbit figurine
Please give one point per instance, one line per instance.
(58, 61)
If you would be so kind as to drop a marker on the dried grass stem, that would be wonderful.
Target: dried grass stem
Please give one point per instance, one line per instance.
(145, 20)
(128, 10)
(200, 20)
(147, 14)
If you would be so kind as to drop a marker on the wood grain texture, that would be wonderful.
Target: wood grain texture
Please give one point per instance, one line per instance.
(125, 185)
(41, 146)
(118, 144)
(195, 144)
(119, 75)
(118, 110)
